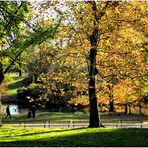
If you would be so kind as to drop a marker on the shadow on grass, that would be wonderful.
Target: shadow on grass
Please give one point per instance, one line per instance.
(20, 118)
(16, 77)
(49, 116)
(44, 132)
(15, 85)
(46, 116)
(84, 137)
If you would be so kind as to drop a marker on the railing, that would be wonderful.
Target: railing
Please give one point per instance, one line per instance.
(79, 123)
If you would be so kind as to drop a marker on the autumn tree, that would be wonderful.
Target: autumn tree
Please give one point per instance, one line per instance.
(100, 31)
(120, 55)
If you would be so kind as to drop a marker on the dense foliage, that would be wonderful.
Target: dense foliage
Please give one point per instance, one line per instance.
(75, 50)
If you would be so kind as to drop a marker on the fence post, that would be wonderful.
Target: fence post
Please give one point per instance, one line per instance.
(71, 123)
(24, 123)
(49, 124)
(121, 123)
(141, 123)
(118, 122)
(45, 124)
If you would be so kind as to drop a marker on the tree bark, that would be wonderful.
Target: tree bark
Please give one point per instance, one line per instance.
(20, 71)
(1, 73)
(94, 38)
(126, 108)
(111, 101)
(129, 109)
(111, 106)
(140, 110)
(94, 119)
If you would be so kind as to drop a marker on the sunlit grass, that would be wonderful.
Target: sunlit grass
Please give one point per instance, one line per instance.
(13, 83)
(11, 92)
(91, 137)
(49, 116)
(46, 116)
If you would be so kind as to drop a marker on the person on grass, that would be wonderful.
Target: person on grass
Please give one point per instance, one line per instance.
(8, 114)
(33, 109)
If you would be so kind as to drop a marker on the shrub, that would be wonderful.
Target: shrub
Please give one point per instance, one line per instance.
(27, 81)
(29, 95)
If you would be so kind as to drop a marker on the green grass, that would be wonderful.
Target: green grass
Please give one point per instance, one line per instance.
(13, 82)
(66, 137)
(49, 116)
(46, 116)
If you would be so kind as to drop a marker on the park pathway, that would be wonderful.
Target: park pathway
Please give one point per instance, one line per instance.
(73, 125)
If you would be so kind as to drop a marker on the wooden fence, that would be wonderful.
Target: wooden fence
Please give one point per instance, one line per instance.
(79, 123)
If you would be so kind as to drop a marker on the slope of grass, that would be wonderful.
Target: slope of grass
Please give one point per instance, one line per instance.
(13, 82)
(88, 137)
(49, 116)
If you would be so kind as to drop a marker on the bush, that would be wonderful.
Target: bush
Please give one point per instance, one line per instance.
(27, 81)
(29, 95)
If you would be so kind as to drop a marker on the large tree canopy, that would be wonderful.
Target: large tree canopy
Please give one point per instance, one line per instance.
(14, 41)
(100, 45)
(11, 14)
(111, 41)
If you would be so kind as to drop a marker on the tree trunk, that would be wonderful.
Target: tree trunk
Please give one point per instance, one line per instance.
(111, 101)
(111, 106)
(94, 120)
(140, 110)
(20, 71)
(1, 73)
(35, 78)
(94, 38)
(1, 77)
(126, 108)
(129, 108)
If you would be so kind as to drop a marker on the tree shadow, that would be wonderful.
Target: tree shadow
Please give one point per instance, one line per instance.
(122, 116)
(15, 85)
(87, 138)
(44, 132)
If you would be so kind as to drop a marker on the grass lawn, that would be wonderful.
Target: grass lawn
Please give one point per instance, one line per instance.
(14, 82)
(66, 137)
(47, 116)
(50, 116)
